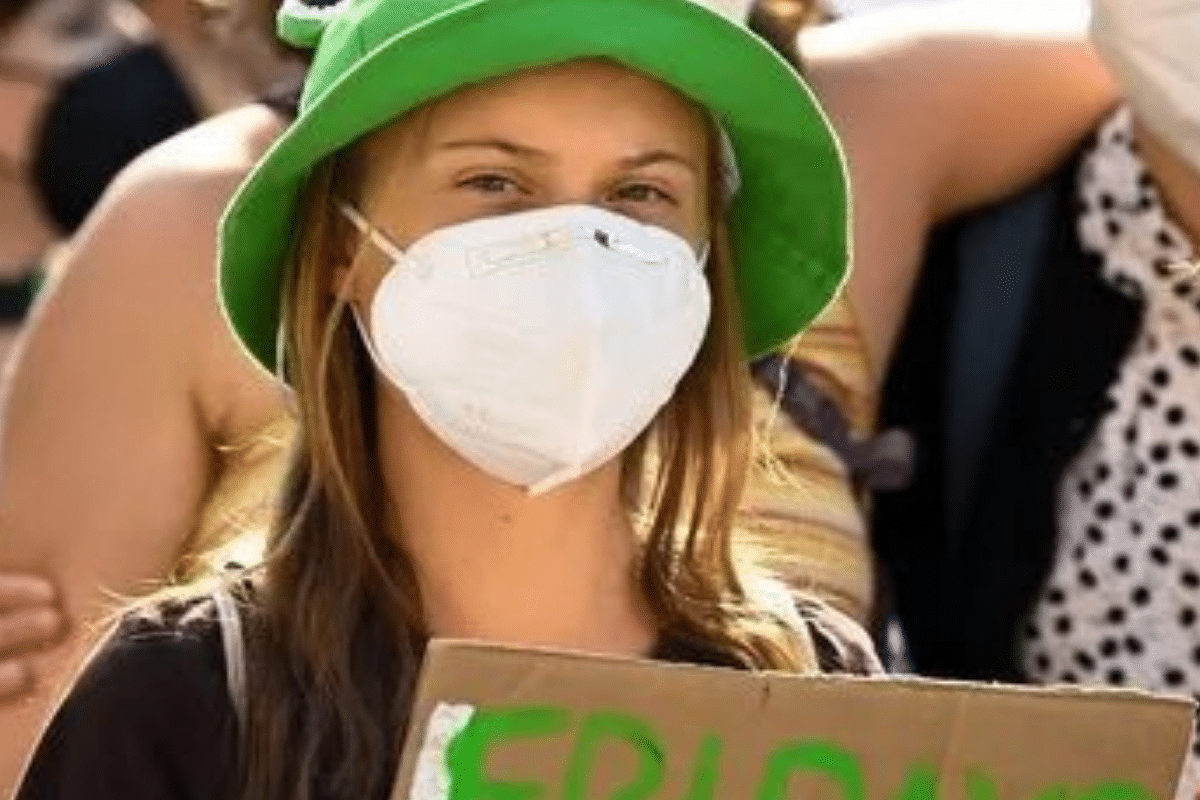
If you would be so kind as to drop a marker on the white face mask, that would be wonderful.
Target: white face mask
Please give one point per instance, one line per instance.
(538, 345)
(1151, 47)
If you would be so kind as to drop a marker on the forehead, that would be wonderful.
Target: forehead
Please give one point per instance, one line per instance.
(578, 103)
(597, 84)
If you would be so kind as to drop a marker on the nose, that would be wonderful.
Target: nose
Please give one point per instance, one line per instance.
(578, 183)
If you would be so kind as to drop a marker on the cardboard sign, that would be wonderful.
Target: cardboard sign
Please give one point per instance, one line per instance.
(509, 724)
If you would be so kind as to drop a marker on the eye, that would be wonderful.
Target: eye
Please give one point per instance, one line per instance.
(643, 193)
(491, 183)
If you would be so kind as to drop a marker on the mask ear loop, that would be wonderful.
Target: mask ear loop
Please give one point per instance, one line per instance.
(379, 240)
(368, 230)
(389, 249)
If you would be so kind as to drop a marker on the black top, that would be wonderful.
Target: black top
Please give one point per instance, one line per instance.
(151, 716)
(98, 121)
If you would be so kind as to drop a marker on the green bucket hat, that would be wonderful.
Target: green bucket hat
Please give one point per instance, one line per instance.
(376, 59)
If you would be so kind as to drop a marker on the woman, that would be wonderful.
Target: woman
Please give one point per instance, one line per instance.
(1073, 558)
(1118, 605)
(195, 428)
(466, 228)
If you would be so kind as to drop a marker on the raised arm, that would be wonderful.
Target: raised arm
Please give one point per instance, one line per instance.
(110, 423)
(943, 108)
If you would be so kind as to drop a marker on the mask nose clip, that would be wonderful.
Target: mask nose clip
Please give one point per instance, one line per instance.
(610, 241)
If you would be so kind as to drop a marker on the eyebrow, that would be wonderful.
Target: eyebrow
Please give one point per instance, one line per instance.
(511, 148)
(658, 157)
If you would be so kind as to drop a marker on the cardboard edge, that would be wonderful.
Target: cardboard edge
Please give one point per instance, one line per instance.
(762, 684)
(899, 683)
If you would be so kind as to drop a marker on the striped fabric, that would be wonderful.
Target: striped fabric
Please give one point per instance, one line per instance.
(800, 504)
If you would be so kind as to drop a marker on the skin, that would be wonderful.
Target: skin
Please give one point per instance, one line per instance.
(179, 394)
(920, 155)
(35, 52)
(184, 391)
(512, 145)
(223, 57)
(27, 620)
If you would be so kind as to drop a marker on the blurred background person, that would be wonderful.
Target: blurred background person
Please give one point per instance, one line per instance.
(1051, 533)
(85, 86)
(1121, 603)
(84, 89)
(223, 51)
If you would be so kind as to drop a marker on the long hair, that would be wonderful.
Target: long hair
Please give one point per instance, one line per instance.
(336, 630)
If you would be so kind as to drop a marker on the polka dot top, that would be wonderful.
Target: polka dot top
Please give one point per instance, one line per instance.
(1122, 604)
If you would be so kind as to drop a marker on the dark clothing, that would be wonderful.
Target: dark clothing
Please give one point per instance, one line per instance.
(965, 571)
(98, 121)
(151, 717)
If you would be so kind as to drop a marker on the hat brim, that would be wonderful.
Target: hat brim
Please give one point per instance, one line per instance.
(789, 220)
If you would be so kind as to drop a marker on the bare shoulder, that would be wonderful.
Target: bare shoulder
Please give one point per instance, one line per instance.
(923, 142)
(145, 260)
(153, 234)
(224, 146)
(181, 186)
(904, 28)
(899, 62)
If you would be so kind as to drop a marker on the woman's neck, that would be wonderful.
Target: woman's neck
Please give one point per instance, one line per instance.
(495, 564)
